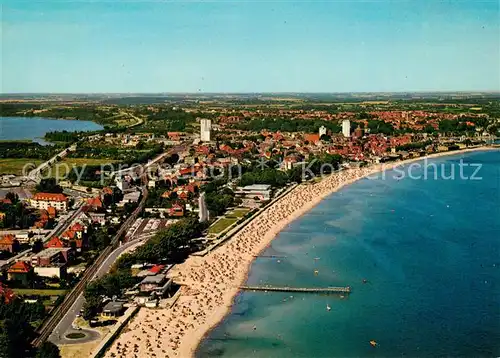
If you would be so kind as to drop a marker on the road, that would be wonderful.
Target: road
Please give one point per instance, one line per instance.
(173, 150)
(61, 227)
(139, 120)
(63, 311)
(60, 311)
(65, 324)
(35, 173)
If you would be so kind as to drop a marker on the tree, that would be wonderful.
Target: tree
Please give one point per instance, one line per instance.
(295, 174)
(49, 186)
(326, 138)
(13, 197)
(90, 308)
(37, 246)
(48, 350)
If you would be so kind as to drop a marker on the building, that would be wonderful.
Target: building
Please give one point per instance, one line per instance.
(121, 183)
(205, 128)
(346, 128)
(176, 210)
(9, 243)
(52, 262)
(358, 132)
(113, 309)
(203, 211)
(157, 284)
(55, 242)
(52, 256)
(19, 272)
(46, 200)
(260, 191)
(322, 131)
(130, 197)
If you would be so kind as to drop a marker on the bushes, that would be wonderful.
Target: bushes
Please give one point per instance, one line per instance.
(273, 177)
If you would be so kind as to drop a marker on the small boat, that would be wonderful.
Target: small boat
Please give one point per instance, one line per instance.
(316, 272)
(254, 328)
(365, 280)
(373, 343)
(328, 308)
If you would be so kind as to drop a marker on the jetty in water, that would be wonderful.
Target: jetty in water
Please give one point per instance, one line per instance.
(346, 289)
(269, 257)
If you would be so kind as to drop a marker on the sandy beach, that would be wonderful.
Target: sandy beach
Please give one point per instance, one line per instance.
(210, 283)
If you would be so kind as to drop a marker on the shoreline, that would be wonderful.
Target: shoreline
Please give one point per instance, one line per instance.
(211, 283)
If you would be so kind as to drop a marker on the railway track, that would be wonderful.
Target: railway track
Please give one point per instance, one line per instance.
(51, 322)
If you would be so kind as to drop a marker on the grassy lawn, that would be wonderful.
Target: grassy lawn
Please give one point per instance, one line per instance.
(238, 213)
(221, 224)
(38, 292)
(15, 165)
(62, 167)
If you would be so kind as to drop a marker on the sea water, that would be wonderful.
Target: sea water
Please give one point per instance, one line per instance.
(421, 255)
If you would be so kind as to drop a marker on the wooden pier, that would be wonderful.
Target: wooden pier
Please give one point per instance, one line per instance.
(298, 289)
(269, 257)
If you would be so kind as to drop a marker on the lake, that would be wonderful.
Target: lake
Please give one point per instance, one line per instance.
(34, 128)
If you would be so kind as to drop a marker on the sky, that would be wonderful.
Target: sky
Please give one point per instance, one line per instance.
(120, 46)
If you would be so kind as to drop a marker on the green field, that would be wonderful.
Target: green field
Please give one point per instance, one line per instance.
(15, 165)
(62, 168)
(221, 224)
(38, 292)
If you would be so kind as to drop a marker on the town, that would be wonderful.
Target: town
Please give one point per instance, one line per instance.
(94, 224)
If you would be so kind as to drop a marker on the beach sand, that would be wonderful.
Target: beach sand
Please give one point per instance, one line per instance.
(210, 283)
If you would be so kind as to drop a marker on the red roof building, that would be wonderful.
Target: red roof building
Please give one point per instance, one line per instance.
(45, 200)
(176, 210)
(19, 271)
(20, 267)
(107, 190)
(50, 197)
(96, 202)
(311, 138)
(51, 211)
(156, 269)
(69, 234)
(78, 227)
(55, 242)
(9, 243)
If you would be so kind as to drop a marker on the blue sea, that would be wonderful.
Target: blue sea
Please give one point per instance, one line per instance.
(429, 250)
(34, 128)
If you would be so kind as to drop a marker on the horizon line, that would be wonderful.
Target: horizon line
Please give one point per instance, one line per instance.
(496, 91)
